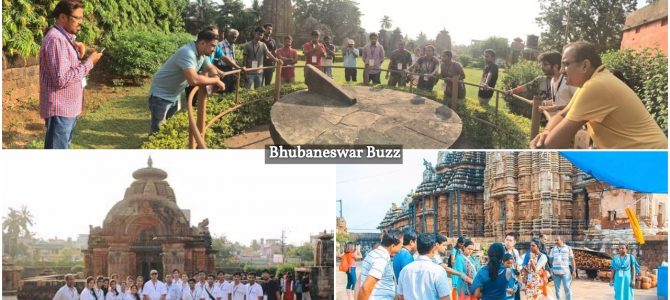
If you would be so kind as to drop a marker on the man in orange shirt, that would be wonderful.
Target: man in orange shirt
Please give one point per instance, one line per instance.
(314, 51)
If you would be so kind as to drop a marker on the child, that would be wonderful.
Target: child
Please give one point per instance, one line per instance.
(512, 281)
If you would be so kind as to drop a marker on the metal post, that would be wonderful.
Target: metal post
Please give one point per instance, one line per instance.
(237, 88)
(454, 94)
(278, 80)
(535, 118)
(497, 99)
(202, 110)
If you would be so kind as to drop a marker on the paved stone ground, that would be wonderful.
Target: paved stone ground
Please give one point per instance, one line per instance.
(581, 289)
(254, 138)
(380, 116)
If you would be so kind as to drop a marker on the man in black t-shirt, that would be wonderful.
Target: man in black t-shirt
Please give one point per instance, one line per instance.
(272, 46)
(489, 77)
(270, 286)
(401, 59)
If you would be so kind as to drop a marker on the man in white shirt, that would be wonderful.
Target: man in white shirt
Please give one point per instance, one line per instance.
(254, 290)
(200, 285)
(88, 293)
(211, 292)
(173, 289)
(98, 290)
(223, 285)
(190, 292)
(154, 289)
(239, 290)
(377, 280)
(67, 291)
(176, 278)
(510, 241)
(422, 278)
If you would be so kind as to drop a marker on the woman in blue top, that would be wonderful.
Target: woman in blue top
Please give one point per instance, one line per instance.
(491, 281)
(468, 265)
(623, 273)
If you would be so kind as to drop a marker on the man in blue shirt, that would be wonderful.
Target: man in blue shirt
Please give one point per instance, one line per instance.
(405, 255)
(179, 71)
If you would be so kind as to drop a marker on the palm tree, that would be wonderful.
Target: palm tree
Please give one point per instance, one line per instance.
(386, 23)
(15, 226)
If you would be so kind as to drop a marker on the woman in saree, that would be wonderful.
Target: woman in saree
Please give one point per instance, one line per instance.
(465, 264)
(533, 271)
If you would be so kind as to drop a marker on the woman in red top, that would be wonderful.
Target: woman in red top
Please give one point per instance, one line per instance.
(288, 295)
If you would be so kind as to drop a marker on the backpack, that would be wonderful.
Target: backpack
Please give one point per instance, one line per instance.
(344, 263)
(298, 287)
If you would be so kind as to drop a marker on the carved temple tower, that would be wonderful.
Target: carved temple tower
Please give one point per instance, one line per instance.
(147, 230)
(280, 14)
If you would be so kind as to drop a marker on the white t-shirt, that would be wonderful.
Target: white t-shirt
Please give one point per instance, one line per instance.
(112, 296)
(66, 293)
(173, 291)
(87, 294)
(254, 291)
(154, 290)
(211, 290)
(188, 294)
(225, 289)
(564, 93)
(239, 291)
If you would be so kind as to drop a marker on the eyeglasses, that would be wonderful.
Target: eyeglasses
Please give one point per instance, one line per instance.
(154, 273)
(78, 18)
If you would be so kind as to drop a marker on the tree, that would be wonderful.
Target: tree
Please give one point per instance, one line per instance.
(421, 39)
(16, 225)
(386, 23)
(598, 22)
(225, 249)
(342, 16)
(498, 44)
(304, 252)
(199, 14)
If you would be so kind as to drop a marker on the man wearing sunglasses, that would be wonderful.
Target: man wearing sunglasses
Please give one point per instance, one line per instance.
(154, 289)
(63, 72)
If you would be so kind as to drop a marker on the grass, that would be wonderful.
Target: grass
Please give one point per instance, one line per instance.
(118, 124)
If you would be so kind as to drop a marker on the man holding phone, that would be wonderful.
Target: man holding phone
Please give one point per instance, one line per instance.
(63, 74)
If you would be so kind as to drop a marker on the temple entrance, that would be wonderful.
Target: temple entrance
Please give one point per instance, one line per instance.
(149, 258)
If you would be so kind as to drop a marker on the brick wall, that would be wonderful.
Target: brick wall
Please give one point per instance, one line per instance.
(650, 35)
(20, 78)
(654, 251)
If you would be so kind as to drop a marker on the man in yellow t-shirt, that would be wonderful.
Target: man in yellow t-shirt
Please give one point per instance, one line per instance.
(615, 115)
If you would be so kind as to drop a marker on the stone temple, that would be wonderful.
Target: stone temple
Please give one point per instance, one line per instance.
(147, 230)
(485, 195)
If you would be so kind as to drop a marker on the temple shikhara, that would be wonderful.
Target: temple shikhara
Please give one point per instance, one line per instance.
(485, 195)
(147, 230)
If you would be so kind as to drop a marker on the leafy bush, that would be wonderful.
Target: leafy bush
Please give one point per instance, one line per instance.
(139, 54)
(174, 133)
(646, 72)
(477, 63)
(518, 74)
(465, 60)
(25, 22)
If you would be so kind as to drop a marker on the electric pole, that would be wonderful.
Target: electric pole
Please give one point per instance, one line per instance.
(283, 246)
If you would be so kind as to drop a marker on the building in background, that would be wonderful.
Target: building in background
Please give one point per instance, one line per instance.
(647, 27)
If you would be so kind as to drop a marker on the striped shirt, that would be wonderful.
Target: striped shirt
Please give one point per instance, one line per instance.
(378, 265)
(61, 75)
(561, 259)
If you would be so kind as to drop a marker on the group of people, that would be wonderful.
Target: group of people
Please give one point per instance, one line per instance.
(410, 266)
(575, 84)
(200, 286)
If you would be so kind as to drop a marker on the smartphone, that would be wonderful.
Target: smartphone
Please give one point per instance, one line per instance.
(102, 50)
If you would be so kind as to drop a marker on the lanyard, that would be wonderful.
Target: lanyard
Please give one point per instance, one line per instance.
(68, 39)
(256, 49)
(553, 96)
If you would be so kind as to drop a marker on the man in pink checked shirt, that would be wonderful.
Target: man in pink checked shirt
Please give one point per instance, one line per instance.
(63, 74)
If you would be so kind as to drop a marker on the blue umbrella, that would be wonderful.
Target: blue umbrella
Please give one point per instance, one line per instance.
(641, 171)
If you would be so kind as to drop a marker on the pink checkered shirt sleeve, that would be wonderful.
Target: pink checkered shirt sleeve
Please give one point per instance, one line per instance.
(61, 74)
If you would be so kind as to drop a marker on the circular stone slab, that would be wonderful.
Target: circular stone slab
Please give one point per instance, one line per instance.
(379, 117)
